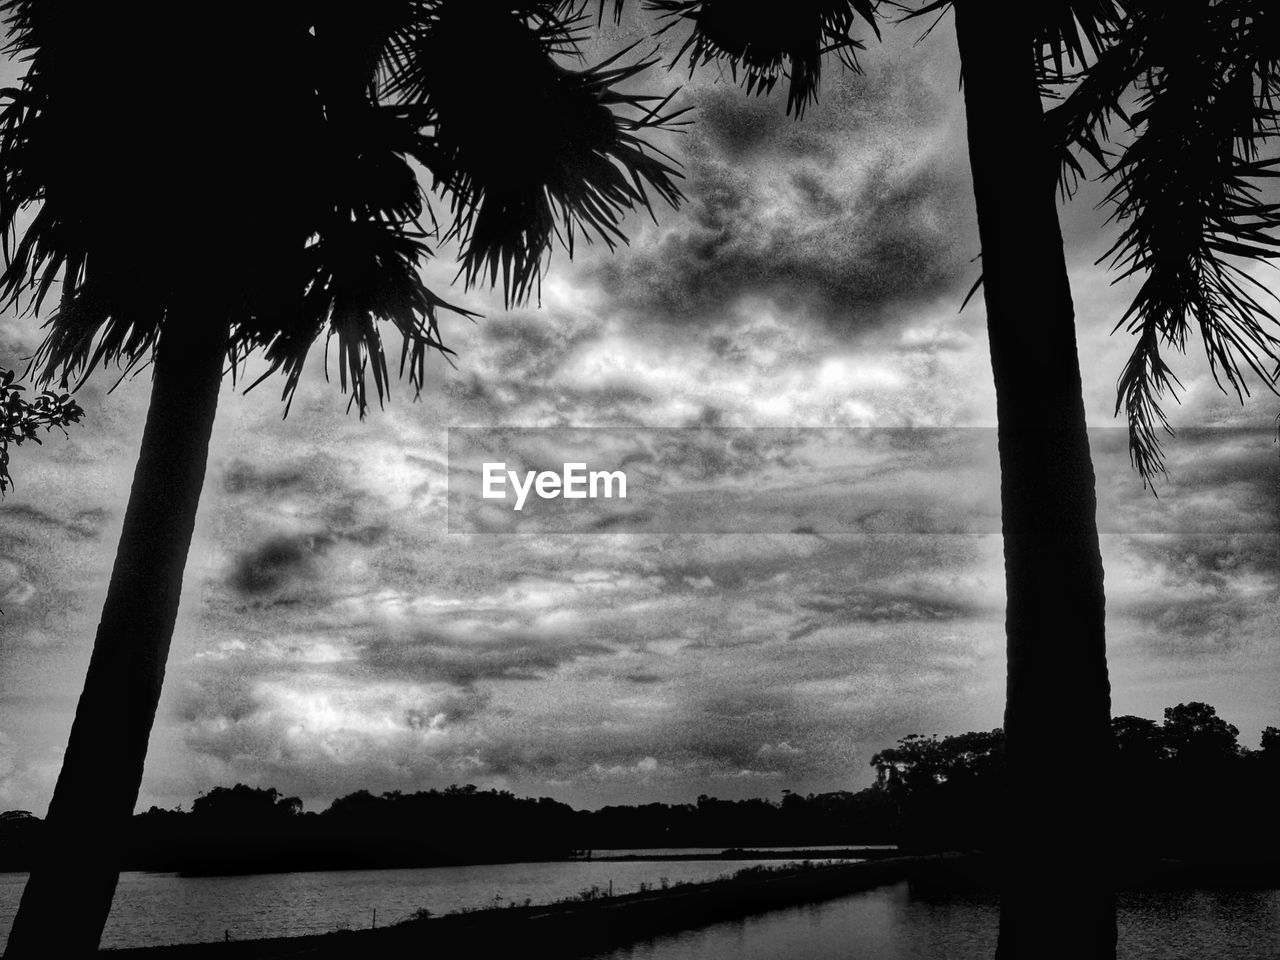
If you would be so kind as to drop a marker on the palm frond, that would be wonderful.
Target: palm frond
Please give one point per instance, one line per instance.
(106, 321)
(354, 275)
(1084, 121)
(33, 151)
(1187, 191)
(1065, 35)
(766, 40)
(526, 149)
(1070, 34)
(358, 201)
(359, 269)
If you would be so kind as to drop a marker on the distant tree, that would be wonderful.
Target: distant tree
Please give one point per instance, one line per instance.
(1195, 736)
(920, 764)
(1270, 742)
(1267, 758)
(245, 805)
(1140, 742)
(945, 790)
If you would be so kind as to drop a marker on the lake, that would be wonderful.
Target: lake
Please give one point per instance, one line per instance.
(160, 908)
(892, 923)
(887, 923)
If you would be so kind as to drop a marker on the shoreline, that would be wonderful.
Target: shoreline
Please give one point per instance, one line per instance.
(572, 927)
(584, 925)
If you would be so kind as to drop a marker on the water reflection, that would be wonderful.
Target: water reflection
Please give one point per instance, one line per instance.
(892, 923)
(888, 923)
(160, 908)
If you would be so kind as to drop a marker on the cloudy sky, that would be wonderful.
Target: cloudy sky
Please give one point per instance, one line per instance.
(336, 635)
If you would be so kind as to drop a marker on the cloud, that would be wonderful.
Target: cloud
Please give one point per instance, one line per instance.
(277, 564)
(849, 219)
(24, 520)
(850, 249)
(465, 661)
(1196, 596)
(242, 477)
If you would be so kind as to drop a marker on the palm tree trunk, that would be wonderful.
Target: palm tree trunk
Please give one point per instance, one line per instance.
(1057, 899)
(65, 904)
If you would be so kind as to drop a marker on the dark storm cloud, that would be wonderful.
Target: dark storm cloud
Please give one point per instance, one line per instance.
(528, 343)
(873, 606)
(642, 679)
(283, 561)
(1201, 595)
(828, 216)
(277, 563)
(1221, 480)
(37, 547)
(704, 452)
(728, 727)
(242, 477)
(318, 474)
(19, 519)
(854, 109)
(464, 662)
(1191, 628)
(852, 260)
(1217, 562)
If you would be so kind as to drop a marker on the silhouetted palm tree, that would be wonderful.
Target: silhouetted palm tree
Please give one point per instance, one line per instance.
(1175, 105)
(1056, 899)
(208, 183)
(1058, 707)
(1206, 84)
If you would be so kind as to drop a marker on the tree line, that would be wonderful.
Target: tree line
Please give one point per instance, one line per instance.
(1181, 787)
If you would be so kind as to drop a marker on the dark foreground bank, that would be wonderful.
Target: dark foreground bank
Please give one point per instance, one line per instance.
(582, 926)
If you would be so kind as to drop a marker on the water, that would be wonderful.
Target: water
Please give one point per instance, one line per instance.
(889, 923)
(689, 851)
(159, 908)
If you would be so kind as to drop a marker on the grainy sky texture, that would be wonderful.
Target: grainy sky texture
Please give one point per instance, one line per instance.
(334, 636)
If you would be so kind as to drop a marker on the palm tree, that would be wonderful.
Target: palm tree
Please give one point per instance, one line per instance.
(205, 188)
(1055, 896)
(1057, 717)
(1185, 166)
(1206, 78)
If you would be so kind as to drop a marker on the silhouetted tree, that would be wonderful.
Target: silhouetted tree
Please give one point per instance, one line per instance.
(248, 804)
(1196, 737)
(1140, 743)
(1058, 695)
(250, 187)
(1269, 745)
(1185, 167)
(946, 791)
(22, 419)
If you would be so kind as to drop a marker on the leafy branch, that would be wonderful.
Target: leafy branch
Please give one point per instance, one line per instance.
(22, 419)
